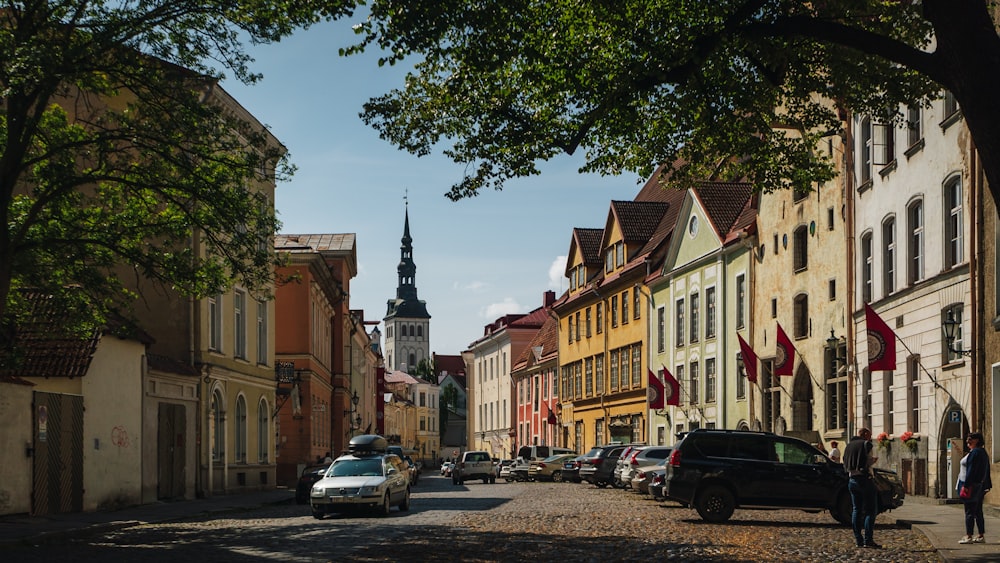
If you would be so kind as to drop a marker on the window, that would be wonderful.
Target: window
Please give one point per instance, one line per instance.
(625, 307)
(241, 430)
(741, 294)
(660, 329)
(801, 312)
(588, 378)
(240, 325)
(888, 393)
(950, 104)
(695, 329)
(883, 143)
(865, 149)
(569, 329)
(215, 322)
(866, 395)
(599, 373)
(832, 290)
(679, 376)
(888, 256)
(801, 250)
(953, 252)
(829, 218)
(866, 267)
(913, 393)
(578, 379)
(679, 323)
(914, 127)
(402, 331)
(636, 365)
(710, 313)
(599, 320)
(588, 322)
(774, 307)
(836, 387)
(771, 407)
(614, 311)
(619, 254)
(263, 431)
(741, 378)
(915, 246)
(609, 260)
(614, 370)
(218, 426)
(262, 333)
(693, 381)
(710, 380)
(636, 303)
(576, 325)
(420, 331)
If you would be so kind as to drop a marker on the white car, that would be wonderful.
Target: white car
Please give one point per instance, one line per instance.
(367, 477)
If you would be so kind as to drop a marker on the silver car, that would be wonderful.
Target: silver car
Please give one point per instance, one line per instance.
(365, 478)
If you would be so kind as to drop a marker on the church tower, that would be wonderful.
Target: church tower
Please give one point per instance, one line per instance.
(407, 323)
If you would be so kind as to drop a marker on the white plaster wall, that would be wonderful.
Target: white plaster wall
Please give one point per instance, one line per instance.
(112, 425)
(15, 437)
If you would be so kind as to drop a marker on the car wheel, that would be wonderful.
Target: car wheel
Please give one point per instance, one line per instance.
(405, 505)
(715, 504)
(318, 514)
(384, 509)
(843, 509)
(454, 480)
(617, 483)
(557, 476)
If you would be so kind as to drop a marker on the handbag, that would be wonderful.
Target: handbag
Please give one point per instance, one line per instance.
(965, 493)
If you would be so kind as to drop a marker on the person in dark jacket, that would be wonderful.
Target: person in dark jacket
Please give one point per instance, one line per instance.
(976, 473)
(858, 461)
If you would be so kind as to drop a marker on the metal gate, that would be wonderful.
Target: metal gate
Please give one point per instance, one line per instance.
(170, 451)
(58, 462)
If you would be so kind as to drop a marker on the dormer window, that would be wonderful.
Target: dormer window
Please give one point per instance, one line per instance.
(619, 254)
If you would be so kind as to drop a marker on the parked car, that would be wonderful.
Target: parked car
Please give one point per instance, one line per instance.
(412, 468)
(618, 479)
(474, 465)
(656, 484)
(503, 471)
(538, 453)
(519, 469)
(366, 477)
(446, 468)
(549, 469)
(598, 465)
(309, 476)
(642, 457)
(718, 471)
(571, 469)
(644, 477)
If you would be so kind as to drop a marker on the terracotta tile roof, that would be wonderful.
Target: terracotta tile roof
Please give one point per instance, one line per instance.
(44, 347)
(400, 377)
(453, 364)
(724, 202)
(547, 338)
(345, 242)
(638, 219)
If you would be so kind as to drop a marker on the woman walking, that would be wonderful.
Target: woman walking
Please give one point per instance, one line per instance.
(973, 485)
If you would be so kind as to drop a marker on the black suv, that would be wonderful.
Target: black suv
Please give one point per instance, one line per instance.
(717, 471)
(597, 466)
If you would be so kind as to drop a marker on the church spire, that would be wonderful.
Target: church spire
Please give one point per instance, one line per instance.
(407, 270)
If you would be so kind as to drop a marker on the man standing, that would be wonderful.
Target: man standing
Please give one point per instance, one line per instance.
(858, 461)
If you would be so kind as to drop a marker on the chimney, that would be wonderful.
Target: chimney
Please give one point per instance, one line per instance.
(549, 298)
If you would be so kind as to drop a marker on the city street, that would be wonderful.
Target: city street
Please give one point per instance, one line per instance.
(500, 522)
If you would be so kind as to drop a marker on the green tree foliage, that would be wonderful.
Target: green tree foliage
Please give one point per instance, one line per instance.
(449, 400)
(425, 370)
(117, 149)
(727, 88)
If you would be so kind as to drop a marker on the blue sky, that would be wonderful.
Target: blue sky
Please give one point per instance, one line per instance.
(476, 259)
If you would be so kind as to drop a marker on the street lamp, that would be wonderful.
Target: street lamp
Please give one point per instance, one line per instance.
(951, 326)
(833, 343)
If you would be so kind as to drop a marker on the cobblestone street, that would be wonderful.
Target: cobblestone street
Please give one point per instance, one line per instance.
(501, 522)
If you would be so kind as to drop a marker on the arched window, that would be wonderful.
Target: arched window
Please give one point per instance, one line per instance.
(413, 361)
(420, 331)
(915, 242)
(866, 267)
(263, 431)
(241, 430)
(402, 331)
(218, 426)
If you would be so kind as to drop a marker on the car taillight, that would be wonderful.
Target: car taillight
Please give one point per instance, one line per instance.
(541, 465)
(675, 458)
(596, 462)
(632, 459)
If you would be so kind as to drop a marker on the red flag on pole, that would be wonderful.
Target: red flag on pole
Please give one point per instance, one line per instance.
(881, 342)
(671, 388)
(749, 360)
(654, 391)
(784, 354)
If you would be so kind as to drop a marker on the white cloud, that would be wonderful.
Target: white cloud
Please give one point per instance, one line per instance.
(506, 307)
(473, 286)
(557, 273)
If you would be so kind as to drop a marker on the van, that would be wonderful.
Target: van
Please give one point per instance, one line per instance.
(538, 453)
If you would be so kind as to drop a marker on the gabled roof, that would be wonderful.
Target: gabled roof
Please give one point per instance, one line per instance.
(638, 219)
(452, 364)
(401, 377)
(546, 339)
(725, 203)
(589, 243)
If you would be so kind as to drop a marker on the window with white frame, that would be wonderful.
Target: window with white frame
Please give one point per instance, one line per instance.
(888, 256)
(614, 310)
(240, 424)
(661, 344)
(625, 307)
(950, 104)
(599, 373)
(915, 243)
(710, 380)
(866, 267)
(679, 323)
(263, 431)
(636, 303)
(865, 149)
(693, 381)
(953, 253)
(836, 386)
(741, 300)
(883, 143)
(215, 322)
(913, 393)
(914, 125)
(695, 304)
(588, 377)
(239, 324)
(619, 254)
(636, 365)
(710, 312)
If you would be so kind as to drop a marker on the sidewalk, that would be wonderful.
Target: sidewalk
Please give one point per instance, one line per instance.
(22, 529)
(944, 525)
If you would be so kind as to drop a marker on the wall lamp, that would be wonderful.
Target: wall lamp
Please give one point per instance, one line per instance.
(834, 343)
(951, 326)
